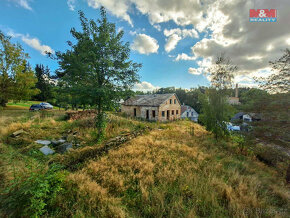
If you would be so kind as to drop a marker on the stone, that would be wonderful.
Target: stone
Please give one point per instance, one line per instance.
(46, 150)
(64, 148)
(61, 141)
(17, 133)
(43, 142)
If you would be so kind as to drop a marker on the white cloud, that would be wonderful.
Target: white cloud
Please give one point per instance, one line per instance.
(175, 35)
(225, 24)
(171, 42)
(32, 42)
(157, 26)
(119, 8)
(145, 44)
(184, 57)
(71, 4)
(195, 71)
(145, 86)
(22, 3)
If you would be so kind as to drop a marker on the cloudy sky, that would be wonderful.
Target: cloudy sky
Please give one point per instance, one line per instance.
(175, 40)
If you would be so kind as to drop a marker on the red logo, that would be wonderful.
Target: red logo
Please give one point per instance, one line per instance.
(263, 15)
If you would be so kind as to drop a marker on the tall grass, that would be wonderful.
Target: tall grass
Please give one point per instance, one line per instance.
(170, 173)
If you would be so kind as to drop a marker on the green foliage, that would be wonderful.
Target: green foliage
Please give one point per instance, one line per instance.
(222, 72)
(278, 82)
(33, 194)
(43, 83)
(17, 80)
(97, 71)
(215, 112)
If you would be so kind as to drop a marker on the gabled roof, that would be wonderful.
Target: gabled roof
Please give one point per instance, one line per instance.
(148, 100)
(238, 116)
(186, 107)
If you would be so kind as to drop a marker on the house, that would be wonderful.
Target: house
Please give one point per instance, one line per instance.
(247, 117)
(188, 112)
(158, 107)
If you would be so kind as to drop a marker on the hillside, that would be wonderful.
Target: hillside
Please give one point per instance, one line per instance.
(173, 169)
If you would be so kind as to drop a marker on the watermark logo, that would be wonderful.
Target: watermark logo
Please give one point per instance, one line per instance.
(263, 15)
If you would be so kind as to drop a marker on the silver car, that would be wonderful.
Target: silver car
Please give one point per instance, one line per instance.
(46, 105)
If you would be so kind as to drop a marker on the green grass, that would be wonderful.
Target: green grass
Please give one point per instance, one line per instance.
(22, 104)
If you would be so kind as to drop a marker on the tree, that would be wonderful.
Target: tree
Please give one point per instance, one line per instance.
(24, 84)
(215, 112)
(97, 69)
(279, 81)
(43, 83)
(222, 72)
(17, 80)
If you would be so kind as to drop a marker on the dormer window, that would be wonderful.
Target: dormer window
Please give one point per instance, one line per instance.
(170, 101)
(174, 101)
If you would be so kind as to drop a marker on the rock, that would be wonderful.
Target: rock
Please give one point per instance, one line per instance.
(64, 148)
(17, 133)
(43, 142)
(46, 150)
(61, 141)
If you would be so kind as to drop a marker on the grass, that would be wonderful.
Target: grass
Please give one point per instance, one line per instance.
(21, 105)
(167, 172)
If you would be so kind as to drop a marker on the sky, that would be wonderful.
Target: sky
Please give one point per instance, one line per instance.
(175, 40)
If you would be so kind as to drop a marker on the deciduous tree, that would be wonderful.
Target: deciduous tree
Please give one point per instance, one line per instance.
(17, 80)
(97, 69)
(279, 81)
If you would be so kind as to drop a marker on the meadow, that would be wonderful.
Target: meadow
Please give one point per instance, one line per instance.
(174, 169)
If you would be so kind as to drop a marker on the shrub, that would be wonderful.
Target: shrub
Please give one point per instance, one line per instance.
(32, 194)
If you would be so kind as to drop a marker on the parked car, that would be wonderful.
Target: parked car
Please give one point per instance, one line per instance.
(36, 107)
(231, 127)
(46, 105)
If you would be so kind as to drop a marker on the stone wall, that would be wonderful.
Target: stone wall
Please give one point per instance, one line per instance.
(170, 106)
(141, 111)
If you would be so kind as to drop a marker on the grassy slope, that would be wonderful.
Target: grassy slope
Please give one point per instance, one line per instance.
(165, 173)
(169, 173)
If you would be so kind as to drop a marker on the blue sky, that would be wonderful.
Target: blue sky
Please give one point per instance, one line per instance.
(175, 42)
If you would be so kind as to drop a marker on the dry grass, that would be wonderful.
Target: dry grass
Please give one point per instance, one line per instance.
(167, 172)
(171, 173)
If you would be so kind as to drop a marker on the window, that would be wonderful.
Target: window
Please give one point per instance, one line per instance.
(153, 114)
(172, 112)
(170, 101)
(163, 113)
(187, 114)
(135, 112)
(192, 114)
(174, 101)
(176, 111)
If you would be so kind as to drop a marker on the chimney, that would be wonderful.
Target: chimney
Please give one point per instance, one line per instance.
(237, 91)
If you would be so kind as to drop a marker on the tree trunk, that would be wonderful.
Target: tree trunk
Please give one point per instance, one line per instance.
(3, 103)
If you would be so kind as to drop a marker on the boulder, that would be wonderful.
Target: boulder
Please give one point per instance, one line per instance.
(64, 148)
(17, 133)
(46, 150)
(43, 142)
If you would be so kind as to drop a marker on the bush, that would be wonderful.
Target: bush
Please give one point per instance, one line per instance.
(32, 194)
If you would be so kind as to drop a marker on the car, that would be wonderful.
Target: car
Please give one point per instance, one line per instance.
(36, 107)
(46, 105)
